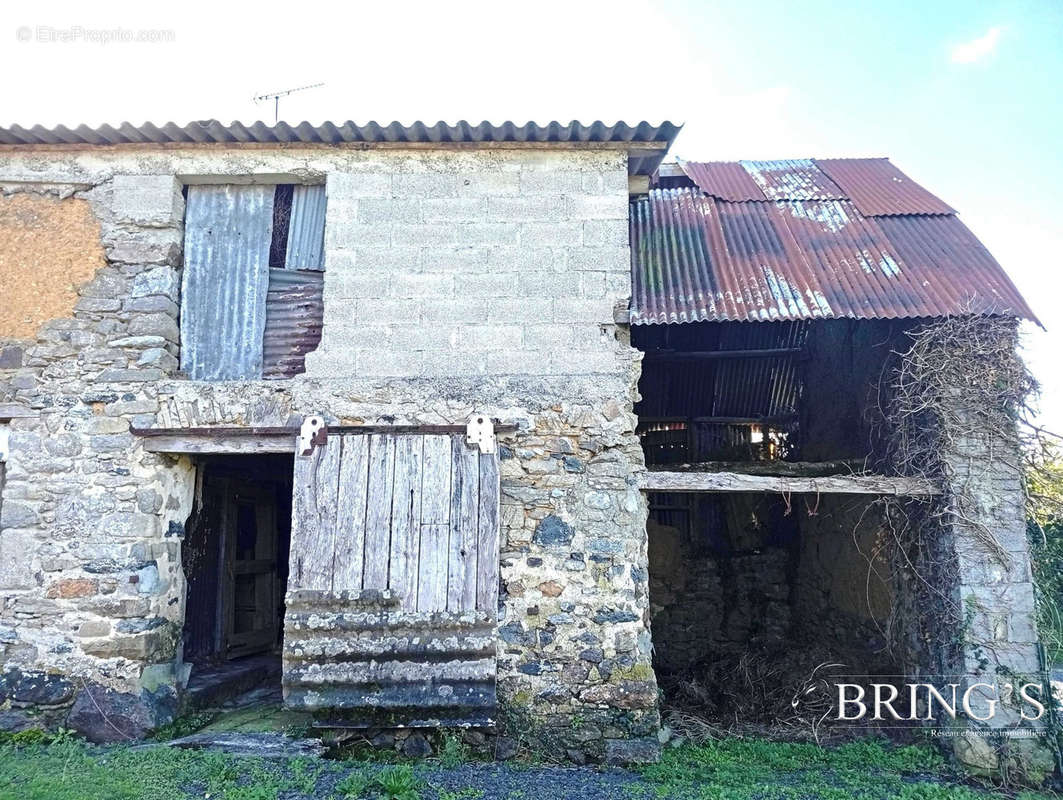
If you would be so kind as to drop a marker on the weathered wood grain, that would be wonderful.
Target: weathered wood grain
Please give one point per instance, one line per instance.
(378, 511)
(406, 520)
(433, 569)
(351, 512)
(656, 481)
(464, 511)
(315, 489)
(282, 443)
(487, 533)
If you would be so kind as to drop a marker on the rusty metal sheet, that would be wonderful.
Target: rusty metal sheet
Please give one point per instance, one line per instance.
(727, 180)
(228, 230)
(306, 228)
(294, 311)
(796, 179)
(697, 258)
(878, 188)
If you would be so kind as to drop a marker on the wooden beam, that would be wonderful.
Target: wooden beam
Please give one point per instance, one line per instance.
(232, 445)
(712, 355)
(660, 481)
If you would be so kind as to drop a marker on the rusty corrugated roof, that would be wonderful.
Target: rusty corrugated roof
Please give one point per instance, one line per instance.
(878, 188)
(697, 257)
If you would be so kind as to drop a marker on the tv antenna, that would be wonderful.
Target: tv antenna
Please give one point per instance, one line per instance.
(276, 98)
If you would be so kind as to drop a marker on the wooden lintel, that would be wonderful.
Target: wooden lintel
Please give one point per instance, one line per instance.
(221, 445)
(713, 355)
(661, 481)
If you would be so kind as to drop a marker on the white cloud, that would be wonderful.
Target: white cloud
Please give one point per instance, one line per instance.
(977, 49)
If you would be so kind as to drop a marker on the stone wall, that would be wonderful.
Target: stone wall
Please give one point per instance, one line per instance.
(468, 280)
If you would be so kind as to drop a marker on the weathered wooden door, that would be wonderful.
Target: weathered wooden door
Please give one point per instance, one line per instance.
(250, 542)
(393, 587)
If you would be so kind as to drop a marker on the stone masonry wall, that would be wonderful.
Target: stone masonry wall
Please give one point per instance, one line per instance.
(467, 280)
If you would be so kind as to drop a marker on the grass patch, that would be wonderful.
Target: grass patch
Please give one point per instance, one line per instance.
(750, 769)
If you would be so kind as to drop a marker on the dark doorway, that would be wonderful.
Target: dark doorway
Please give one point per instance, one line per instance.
(235, 558)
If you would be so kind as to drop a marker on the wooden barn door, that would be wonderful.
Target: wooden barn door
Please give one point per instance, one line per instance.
(393, 586)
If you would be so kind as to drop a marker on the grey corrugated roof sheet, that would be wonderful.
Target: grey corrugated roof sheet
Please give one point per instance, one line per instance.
(214, 131)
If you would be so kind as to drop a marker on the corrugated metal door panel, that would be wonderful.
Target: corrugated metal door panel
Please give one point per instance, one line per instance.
(393, 614)
(228, 230)
(306, 231)
(294, 310)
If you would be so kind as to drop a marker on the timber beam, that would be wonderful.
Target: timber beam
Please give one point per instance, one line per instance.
(715, 482)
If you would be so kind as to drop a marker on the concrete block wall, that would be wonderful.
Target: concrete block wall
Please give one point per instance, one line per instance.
(475, 264)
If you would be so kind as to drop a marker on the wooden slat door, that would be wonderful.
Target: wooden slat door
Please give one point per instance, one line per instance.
(416, 515)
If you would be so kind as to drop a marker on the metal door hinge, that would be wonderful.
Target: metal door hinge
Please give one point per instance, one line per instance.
(312, 433)
(5, 445)
(480, 431)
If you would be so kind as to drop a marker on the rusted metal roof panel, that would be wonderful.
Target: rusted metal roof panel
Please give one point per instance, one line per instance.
(306, 229)
(797, 179)
(877, 188)
(226, 274)
(698, 258)
(294, 312)
(727, 180)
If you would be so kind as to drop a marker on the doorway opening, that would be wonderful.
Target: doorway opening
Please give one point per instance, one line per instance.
(235, 559)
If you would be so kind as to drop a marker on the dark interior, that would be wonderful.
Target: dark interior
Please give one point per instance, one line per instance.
(750, 591)
(235, 558)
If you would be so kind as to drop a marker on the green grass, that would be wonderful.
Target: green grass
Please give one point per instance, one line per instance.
(34, 767)
(741, 769)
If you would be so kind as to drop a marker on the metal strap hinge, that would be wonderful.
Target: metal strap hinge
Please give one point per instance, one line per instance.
(5, 445)
(480, 431)
(312, 433)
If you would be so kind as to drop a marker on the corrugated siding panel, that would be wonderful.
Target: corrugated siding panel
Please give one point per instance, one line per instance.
(226, 275)
(385, 667)
(306, 231)
(294, 310)
(696, 258)
(877, 188)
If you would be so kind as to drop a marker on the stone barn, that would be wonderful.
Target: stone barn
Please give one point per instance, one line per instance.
(492, 427)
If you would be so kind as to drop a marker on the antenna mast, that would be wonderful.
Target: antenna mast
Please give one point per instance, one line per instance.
(276, 98)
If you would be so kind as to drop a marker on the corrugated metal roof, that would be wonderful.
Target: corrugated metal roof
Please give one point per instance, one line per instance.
(727, 180)
(874, 185)
(226, 274)
(212, 130)
(698, 258)
(878, 188)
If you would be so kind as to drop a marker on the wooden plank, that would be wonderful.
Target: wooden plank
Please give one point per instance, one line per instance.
(179, 443)
(315, 490)
(378, 511)
(716, 355)
(433, 569)
(349, 563)
(464, 513)
(406, 521)
(737, 482)
(487, 536)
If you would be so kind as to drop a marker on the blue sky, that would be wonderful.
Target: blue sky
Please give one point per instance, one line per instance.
(964, 96)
